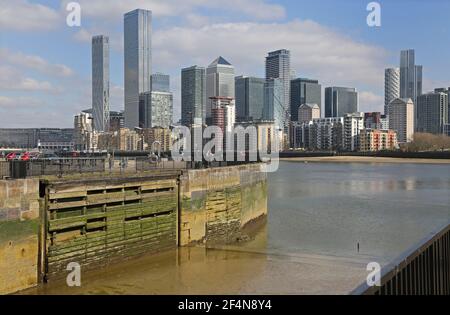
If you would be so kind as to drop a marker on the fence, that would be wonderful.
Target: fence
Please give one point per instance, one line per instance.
(424, 270)
(62, 166)
(121, 165)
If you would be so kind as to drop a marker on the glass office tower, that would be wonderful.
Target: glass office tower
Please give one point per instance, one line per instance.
(137, 61)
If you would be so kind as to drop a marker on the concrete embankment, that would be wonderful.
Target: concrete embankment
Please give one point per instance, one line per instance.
(94, 221)
(217, 203)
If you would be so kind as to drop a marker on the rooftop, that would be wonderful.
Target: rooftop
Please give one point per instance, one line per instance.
(220, 61)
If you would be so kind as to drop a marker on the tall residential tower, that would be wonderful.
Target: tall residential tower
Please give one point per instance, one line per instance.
(278, 66)
(410, 76)
(401, 119)
(100, 82)
(391, 86)
(137, 61)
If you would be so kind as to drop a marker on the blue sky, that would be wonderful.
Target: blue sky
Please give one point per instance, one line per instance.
(45, 68)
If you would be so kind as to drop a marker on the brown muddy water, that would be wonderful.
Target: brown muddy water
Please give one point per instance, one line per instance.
(318, 213)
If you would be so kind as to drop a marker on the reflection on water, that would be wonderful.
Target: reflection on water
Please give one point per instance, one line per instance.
(318, 213)
(328, 208)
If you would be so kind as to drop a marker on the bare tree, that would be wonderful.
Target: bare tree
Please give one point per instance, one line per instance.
(428, 142)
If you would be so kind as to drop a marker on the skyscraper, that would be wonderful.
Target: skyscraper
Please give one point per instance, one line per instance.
(278, 66)
(193, 96)
(219, 82)
(432, 112)
(273, 102)
(160, 82)
(157, 108)
(340, 101)
(391, 86)
(401, 119)
(100, 82)
(304, 91)
(137, 61)
(249, 98)
(410, 76)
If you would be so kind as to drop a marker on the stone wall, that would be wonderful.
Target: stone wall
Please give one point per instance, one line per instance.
(215, 204)
(19, 228)
(211, 205)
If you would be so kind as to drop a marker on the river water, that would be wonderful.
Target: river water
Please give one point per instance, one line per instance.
(318, 214)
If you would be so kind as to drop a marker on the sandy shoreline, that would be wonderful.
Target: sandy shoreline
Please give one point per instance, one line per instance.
(364, 159)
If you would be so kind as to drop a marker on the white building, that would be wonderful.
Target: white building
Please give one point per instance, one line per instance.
(384, 122)
(353, 124)
(85, 138)
(323, 134)
(401, 119)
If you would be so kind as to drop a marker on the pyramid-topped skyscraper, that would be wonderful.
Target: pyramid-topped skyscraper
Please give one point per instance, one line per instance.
(219, 82)
(220, 61)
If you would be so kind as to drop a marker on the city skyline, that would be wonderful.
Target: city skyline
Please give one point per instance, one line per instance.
(35, 96)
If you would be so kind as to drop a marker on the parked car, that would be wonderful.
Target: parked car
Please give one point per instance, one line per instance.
(48, 156)
(25, 156)
(12, 156)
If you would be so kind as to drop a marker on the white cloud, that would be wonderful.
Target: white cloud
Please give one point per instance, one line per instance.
(370, 102)
(113, 10)
(429, 85)
(12, 80)
(316, 51)
(34, 63)
(22, 15)
(18, 102)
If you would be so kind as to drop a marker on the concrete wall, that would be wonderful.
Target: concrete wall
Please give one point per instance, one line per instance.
(19, 227)
(215, 204)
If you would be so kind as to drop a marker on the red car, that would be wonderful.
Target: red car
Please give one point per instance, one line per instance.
(25, 157)
(12, 156)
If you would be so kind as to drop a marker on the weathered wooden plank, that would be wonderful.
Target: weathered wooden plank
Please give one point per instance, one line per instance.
(95, 225)
(66, 195)
(64, 205)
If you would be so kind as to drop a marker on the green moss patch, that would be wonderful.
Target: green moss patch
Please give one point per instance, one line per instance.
(16, 230)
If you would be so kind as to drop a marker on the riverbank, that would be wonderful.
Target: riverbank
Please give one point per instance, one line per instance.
(364, 159)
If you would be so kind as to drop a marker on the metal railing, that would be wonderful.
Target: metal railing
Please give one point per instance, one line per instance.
(423, 270)
(119, 165)
(60, 166)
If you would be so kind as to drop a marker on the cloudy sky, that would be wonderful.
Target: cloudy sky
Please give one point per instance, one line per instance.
(45, 65)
